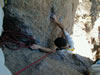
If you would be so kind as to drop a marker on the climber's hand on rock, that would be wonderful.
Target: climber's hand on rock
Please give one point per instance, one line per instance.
(53, 18)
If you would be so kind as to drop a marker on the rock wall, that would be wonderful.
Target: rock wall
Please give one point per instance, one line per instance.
(86, 27)
(35, 16)
(95, 10)
(82, 28)
(54, 64)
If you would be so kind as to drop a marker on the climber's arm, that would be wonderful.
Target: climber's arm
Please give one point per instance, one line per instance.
(54, 19)
(34, 46)
(69, 40)
(66, 34)
(46, 49)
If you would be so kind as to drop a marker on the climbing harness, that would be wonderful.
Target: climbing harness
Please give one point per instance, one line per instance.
(72, 49)
(43, 57)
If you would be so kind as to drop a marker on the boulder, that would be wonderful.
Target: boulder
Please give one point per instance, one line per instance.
(33, 17)
(53, 64)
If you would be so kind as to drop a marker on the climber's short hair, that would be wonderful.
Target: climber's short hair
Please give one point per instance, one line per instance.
(60, 42)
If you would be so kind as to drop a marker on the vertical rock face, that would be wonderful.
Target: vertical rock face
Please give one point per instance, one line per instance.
(82, 28)
(87, 20)
(54, 64)
(95, 10)
(35, 16)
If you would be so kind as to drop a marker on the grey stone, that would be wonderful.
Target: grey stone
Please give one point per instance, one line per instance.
(34, 15)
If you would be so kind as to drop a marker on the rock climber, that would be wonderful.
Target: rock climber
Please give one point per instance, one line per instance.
(61, 43)
(3, 69)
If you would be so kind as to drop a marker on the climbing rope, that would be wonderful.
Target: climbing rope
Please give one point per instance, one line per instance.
(16, 40)
(10, 38)
(43, 57)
